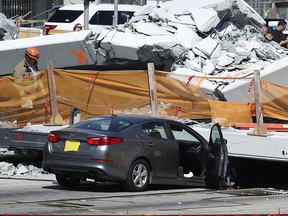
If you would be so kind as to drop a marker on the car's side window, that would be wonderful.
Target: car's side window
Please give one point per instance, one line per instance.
(106, 17)
(156, 130)
(181, 133)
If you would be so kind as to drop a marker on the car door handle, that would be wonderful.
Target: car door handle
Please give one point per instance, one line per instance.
(151, 145)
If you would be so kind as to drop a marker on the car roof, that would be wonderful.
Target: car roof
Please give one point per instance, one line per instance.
(100, 7)
(133, 118)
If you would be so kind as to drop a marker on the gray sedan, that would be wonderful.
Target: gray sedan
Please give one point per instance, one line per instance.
(136, 151)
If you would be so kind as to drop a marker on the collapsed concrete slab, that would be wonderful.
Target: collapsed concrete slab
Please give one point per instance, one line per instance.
(65, 50)
(226, 42)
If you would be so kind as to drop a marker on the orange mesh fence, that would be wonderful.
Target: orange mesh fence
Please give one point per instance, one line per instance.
(23, 102)
(121, 90)
(97, 93)
(275, 100)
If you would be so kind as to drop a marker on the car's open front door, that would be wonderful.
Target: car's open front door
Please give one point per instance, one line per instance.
(217, 158)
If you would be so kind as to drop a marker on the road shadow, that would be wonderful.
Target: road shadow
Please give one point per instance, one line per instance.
(108, 187)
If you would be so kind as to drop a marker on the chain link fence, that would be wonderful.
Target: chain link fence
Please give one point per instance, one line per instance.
(264, 8)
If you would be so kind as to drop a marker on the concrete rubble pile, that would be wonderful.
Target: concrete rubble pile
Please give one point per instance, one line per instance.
(8, 29)
(214, 37)
(22, 169)
(7, 168)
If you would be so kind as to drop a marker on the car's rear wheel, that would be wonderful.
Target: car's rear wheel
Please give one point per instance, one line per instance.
(138, 176)
(67, 181)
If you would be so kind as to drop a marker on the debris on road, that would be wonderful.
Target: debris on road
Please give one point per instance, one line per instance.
(22, 169)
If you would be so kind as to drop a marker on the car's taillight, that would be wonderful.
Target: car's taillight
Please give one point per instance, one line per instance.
(110, 140)
(104, 140)
(93, 140)
(53, 137)
(47, 28)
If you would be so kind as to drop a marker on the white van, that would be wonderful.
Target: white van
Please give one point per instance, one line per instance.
(100, 15)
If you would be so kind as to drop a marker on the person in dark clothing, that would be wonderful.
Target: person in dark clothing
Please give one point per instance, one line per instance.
(278, 35)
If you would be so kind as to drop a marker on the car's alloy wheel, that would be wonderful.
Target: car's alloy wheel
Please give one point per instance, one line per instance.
(67, 181)
(138, 176)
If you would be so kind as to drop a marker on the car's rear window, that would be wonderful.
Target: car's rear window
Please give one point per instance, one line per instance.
(64, 16)
(106, 17)
(103, 124)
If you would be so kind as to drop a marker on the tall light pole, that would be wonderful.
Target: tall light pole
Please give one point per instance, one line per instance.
(115, 17)
(86, 13)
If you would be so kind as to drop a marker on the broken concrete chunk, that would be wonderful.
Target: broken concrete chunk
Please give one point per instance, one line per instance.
(214, 61)
(155, 17)
(226, 28)
(253, 56)
(237, 11)
(100, 59)
(106, 41)
(225, 60)
(205, 19)
(217, 52)
(186, 36)
(138, 18)
(206, 46)
(9, 30)
(199, 53)
(184, 19)
(101, 51)
(240, 49)
(232, 55)
(144, 10)
(227, 45)
(163, 53)
(190, 55)
(104, 33)
(171, 28)
(237, 59)
(209, 67)
(193, 65)
(150, 29)
(253, 45)
(21, 169)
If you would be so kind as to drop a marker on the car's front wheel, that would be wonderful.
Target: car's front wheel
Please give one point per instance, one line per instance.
(138, 176)
(67, 181)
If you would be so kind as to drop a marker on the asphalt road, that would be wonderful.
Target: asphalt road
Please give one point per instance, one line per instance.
(42, 195)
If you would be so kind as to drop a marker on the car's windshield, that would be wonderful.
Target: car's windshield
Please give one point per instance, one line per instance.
(104, 124)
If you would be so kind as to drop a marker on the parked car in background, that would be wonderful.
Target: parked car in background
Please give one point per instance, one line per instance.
(100, 15)
(136, 151)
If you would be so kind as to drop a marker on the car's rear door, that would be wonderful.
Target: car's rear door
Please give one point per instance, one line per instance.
(163, 152)
(217, 158)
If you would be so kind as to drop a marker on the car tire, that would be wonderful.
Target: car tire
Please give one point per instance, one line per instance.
(138, 176)
(67, 181)
(230, 179)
